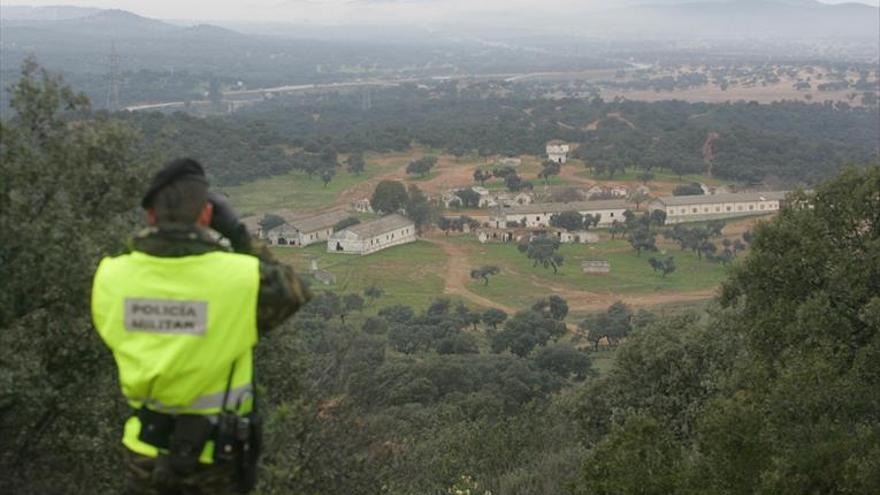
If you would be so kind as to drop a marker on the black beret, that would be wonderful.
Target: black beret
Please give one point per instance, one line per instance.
(175, 170)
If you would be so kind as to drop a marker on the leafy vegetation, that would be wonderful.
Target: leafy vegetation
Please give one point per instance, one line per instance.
(378, 386)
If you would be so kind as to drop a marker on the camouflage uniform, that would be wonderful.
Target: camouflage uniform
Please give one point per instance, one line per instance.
(281, 294)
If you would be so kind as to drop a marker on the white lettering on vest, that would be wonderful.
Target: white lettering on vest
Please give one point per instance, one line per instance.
(166, 316)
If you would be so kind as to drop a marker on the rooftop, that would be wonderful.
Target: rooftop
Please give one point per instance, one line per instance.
(722, 198)
(319, 222)
(380, 226)
(609, 204)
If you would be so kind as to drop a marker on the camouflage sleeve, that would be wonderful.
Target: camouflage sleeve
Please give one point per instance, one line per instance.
(282, 292)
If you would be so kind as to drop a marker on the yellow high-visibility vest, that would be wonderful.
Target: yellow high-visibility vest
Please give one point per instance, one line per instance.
(175, 326)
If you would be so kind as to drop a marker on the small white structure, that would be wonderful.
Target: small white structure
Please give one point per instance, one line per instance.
(557, 151)
(578, 237)
(698, 208)
(362, 206)
(538, 214)
(605, 192)
(369, 237)
(305, 231)
(596, 266)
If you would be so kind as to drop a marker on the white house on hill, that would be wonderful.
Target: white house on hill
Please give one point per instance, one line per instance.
(369, 237)
(557, 151)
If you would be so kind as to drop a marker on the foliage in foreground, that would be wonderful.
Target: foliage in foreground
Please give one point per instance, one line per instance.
(774, 392)
(68, 180)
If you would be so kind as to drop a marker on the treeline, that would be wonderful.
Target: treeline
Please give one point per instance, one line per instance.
(233, 150)
(790, 141)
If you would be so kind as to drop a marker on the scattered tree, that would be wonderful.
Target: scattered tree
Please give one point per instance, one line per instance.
(422, 166)
(643, 239)
(569, 220)
(484, 272)
(692, 189)
(550, 168)
(638, 197)
(419, 209)
(482, 176)
(373, 292)
(494, 317)
(355, 163)
(469, 198)
(389, 197)
(542, 250)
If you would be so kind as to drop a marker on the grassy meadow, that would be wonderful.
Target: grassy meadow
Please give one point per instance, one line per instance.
(519, 281)
(410, 274)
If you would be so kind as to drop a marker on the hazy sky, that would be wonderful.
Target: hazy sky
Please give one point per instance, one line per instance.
(337, 11)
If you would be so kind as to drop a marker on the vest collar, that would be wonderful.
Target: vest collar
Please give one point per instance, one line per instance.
(174, 240)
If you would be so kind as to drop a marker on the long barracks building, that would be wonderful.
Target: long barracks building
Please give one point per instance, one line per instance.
(538, 214)
(681, 209)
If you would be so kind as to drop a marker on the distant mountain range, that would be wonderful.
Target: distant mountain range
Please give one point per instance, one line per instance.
(104, 23)
(669, 19)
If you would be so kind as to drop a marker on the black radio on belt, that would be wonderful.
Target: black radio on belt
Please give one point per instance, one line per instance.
(226, 441)
(156, 427)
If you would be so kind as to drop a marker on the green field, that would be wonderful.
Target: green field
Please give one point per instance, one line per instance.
(295, 191)
(519, 281)
(409, 274)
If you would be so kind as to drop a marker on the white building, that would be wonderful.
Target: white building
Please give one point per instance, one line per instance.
(362, 206)
(596, 266)
(604, 192)
(681, 209)
(538, 214)
(578, 237)
(557, 151)
(369, 237)
(305, 231)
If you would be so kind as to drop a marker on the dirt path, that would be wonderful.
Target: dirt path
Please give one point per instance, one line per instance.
(458, 273)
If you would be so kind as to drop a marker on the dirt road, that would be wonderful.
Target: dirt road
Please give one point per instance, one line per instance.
(458, 273)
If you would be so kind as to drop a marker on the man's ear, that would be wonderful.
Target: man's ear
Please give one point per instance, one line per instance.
(206, 215)
(151, 217)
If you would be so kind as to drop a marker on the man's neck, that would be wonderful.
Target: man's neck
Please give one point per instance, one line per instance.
(174, 240)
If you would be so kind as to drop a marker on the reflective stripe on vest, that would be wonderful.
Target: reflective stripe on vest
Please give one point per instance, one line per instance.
(175, 326)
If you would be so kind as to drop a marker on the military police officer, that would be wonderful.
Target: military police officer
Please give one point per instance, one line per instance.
(182, 314)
